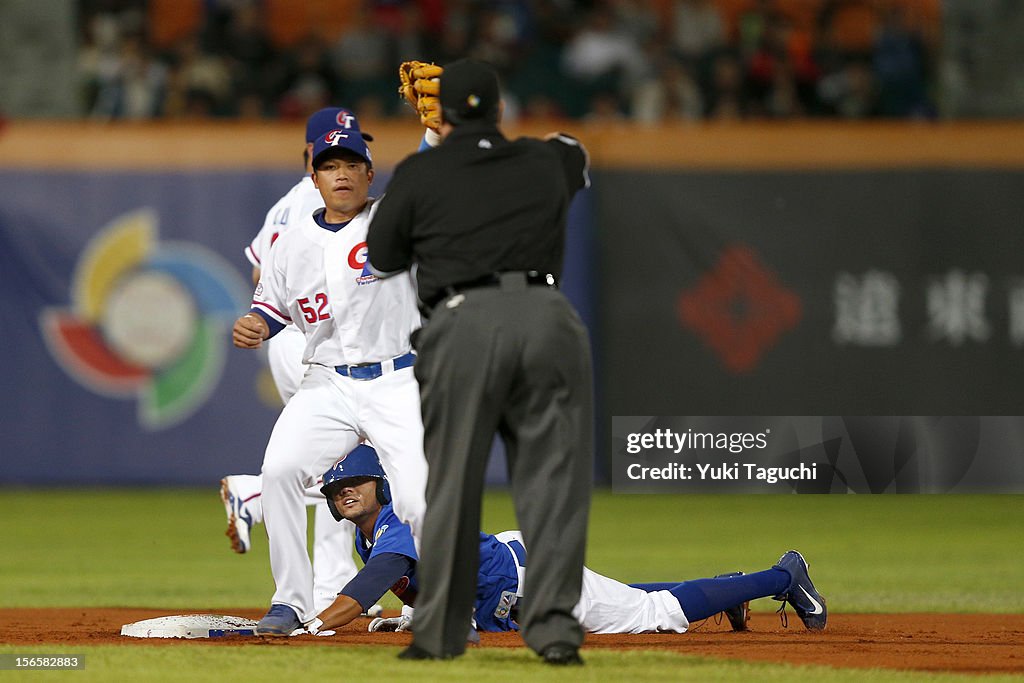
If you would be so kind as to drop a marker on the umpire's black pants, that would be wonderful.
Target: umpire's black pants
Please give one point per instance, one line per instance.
(513, 359)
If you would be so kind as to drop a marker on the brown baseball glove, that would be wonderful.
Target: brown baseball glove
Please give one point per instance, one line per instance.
(420, 87)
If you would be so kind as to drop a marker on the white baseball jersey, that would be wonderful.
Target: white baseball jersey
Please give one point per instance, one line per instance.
(296, 205)
(319, 281)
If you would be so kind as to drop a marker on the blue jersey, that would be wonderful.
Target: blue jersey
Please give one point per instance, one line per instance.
(390, 535)
(497, 577)
(497, 583)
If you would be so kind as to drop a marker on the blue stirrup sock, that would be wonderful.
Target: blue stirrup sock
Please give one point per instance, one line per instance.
(702, 598)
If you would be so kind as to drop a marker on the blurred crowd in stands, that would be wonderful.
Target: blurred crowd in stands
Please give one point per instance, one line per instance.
(642, 60)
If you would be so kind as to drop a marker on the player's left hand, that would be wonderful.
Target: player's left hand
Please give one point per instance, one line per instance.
(314, 628)
(249, 331)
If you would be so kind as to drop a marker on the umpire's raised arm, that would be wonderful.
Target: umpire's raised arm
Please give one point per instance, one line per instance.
(389, 240)
(575, 160)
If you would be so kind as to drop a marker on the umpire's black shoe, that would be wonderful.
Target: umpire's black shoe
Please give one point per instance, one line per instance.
(562, 654)
(415, 652)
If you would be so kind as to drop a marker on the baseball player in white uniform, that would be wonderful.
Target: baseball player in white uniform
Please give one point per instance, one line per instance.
(333, 564)
(359, 382)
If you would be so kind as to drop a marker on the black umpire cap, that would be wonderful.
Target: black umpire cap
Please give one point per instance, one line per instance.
(469, 92)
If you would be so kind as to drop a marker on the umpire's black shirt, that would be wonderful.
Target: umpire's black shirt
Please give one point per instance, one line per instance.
(476, 205)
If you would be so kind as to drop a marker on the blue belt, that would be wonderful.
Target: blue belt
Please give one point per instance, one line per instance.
(375, 370)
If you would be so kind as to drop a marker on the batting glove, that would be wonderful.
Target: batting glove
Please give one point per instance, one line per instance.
(313, 628)
(391, 624)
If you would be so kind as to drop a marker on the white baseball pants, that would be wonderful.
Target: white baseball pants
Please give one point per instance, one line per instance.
(333, 563)
(610, 606)
(326, 418)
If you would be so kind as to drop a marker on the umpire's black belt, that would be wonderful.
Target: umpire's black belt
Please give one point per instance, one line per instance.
(508, 279)
(375, 370)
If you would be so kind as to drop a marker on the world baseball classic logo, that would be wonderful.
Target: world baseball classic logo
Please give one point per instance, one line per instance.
(146, 320)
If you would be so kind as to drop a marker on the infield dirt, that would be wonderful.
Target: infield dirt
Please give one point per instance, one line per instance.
(963, 643)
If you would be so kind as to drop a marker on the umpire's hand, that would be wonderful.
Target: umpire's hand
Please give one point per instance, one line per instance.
(249, 331)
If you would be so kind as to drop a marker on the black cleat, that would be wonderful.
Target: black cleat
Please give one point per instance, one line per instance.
(562, 654)
(415, 652)
(739, 615)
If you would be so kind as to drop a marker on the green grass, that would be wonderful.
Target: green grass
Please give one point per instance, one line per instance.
(166, 549)
(268, 663)
(915, 553)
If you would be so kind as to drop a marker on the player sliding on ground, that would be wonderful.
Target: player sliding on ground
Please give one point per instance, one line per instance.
(357, 490)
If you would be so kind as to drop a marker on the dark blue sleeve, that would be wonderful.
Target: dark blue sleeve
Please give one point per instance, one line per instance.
(381, 572)
(272, 324)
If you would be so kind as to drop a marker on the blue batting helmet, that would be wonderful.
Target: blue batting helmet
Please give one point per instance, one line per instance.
(361, 462)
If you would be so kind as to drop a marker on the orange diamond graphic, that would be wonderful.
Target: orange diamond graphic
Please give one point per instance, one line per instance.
(739, 309)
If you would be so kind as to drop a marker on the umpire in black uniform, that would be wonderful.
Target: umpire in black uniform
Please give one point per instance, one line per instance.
(483, 220)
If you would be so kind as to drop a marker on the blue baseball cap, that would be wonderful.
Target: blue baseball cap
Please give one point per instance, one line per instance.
(333, 141)
(332, 118)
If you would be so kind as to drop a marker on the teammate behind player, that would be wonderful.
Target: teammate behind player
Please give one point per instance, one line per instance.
(357, 490)
(359, 383)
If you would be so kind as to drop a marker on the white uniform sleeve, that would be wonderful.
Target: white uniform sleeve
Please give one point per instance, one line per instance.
(271, 296)
(277, 217)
